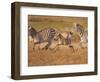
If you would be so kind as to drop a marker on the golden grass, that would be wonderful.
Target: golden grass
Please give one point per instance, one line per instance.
(59, 22)
(62, 56)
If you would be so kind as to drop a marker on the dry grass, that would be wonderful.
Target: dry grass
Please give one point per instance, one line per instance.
(59, 22)
(62, 56)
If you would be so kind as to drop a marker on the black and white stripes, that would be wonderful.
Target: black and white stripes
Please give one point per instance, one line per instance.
(45, 35)
(82, 32)
(48, 35)
(31, 31)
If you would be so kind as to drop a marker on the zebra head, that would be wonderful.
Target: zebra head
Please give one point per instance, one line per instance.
(29, 27)
(31, 31)
(78, 28)
(56, 36)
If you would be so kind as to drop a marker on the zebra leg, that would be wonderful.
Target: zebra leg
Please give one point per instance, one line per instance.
(71, 46)
(47, 46)
(34, 45)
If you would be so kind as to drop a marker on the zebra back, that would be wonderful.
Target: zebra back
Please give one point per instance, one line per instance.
(66, 37)
(47, 34)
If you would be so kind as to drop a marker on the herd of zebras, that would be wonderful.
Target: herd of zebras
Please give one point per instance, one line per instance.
(50, 35)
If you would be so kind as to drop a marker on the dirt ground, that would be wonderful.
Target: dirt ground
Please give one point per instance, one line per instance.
(62, 56)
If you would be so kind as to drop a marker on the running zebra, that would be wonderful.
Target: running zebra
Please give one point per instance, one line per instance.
(31, 33)
(66, 38)
(61, 38)
(45, 35)
(82, 33)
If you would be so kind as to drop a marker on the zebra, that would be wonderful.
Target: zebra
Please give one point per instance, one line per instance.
(48, 36)
(44, 35)
(66, 37)
(31, 33)
(81, 32)
(62, 38)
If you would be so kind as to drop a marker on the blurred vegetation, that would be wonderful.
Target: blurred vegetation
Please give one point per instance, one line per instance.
(62, 23)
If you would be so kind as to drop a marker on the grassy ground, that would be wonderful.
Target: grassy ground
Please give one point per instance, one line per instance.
(62, 56)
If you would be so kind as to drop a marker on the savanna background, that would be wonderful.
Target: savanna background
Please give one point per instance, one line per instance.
(64, 55)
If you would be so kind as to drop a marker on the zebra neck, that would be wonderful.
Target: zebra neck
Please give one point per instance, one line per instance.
(81, 34)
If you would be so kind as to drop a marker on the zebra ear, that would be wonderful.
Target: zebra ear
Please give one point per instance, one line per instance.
(29, 27)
